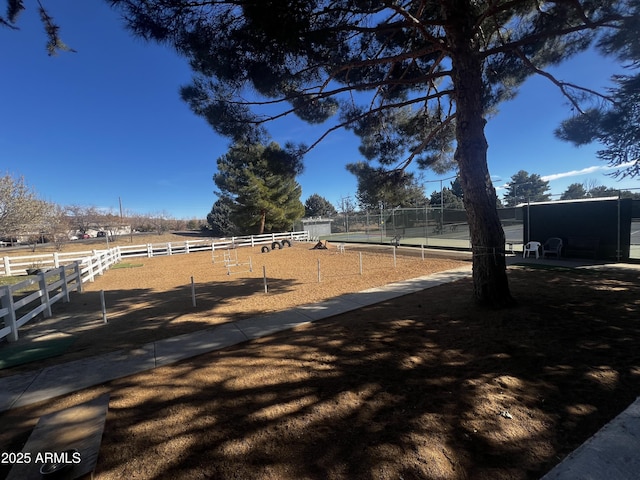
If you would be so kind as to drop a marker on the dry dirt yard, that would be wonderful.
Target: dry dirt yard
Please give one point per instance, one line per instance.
(426, 386)
(151, 298)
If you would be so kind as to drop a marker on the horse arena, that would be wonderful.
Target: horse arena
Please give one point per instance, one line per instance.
(153, 298)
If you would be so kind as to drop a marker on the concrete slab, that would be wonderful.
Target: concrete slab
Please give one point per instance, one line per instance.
(612, 453)
(257, 327)
(421, 283)
(173, 349)
(364, 299)
(11, 388)
(352, 301)
(78, 428)
(327, 308)
(73, 376)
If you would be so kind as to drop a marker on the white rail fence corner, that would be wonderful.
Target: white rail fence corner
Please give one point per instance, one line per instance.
(56, 274)
(19, 303)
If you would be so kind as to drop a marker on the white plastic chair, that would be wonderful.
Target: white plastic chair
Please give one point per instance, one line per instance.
(532, 247)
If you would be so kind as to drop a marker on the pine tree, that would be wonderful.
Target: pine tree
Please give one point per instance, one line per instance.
(614, 121)
(219, 219)
(525, 187)
(416, 80)
(317, 206)
(394, 189)
(574, 191)
(260, 183)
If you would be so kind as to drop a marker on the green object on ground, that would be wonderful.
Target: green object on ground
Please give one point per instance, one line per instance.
(13, 355)
(127, 265)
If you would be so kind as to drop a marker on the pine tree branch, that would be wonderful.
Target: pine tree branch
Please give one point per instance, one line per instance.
(563, 86)
(55, 43)
(432, 134)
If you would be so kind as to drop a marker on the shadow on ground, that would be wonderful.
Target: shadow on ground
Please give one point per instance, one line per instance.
(426, 386)
(139, 316)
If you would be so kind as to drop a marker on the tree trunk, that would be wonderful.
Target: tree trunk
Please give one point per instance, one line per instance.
(490, 283)
(263, 220)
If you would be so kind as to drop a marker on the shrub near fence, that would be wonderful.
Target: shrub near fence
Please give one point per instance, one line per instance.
(86, 266)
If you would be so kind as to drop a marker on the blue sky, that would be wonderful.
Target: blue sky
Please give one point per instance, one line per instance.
(107, 123)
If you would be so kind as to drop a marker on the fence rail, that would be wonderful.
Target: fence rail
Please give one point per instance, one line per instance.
(56, 274)
(20, 304)
(20, 265)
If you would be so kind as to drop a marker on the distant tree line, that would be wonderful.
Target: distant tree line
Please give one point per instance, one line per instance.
(25, 217)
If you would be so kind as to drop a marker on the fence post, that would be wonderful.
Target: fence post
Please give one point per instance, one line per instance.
(169, 249)
(44, 295)
(264, 278)
(10, 319)
(56, 260)
(65, 287)
(78, 274)
(90, 268)
(99, 264)
(103, 304)
(149, 250)
(7, 267)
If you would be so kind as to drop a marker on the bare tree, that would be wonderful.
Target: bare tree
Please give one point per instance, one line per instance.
(59, 225)
(20, 208)
(83, 218)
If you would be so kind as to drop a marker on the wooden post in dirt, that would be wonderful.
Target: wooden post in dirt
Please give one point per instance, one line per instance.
(360, 254)
(104, 307)
(264, 278)
(318, 270)
(193, 293)
(422, 251)
(394, 256)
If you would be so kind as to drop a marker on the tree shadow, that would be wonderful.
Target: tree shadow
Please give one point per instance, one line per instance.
(417, 387)
(135, 317)
(423, 386)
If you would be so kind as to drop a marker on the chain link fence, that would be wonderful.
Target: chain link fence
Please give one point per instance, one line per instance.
(430, 226)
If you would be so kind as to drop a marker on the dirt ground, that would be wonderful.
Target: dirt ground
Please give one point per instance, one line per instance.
(152, 298)
(426, 386)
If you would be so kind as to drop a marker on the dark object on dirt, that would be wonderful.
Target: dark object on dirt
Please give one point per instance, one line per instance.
(37, 271)
(285, 243)
(265, 249)
(320, 246)
(276, 246)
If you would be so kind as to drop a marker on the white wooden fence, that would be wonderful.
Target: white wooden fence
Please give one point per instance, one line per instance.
(53, 285)
(85, 266)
